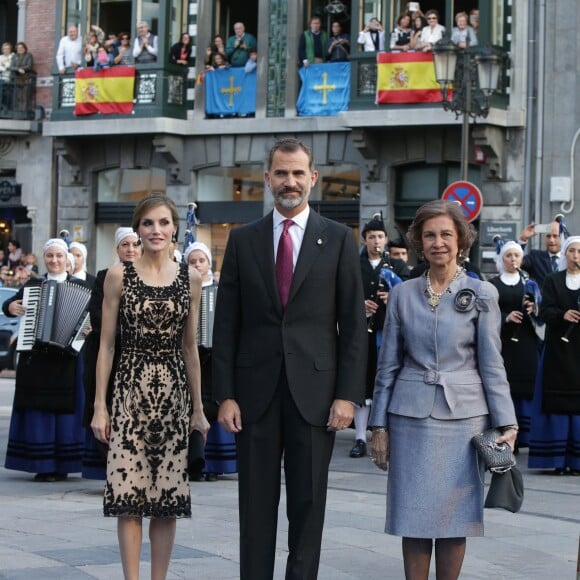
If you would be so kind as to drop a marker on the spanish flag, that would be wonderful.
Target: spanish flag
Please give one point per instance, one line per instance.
(108, 91)
(406, 77)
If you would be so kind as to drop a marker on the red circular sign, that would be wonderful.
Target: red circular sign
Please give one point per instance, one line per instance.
(467, 195)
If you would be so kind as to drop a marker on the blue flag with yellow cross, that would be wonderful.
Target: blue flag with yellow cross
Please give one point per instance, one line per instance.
(325, 89)
(230, 91)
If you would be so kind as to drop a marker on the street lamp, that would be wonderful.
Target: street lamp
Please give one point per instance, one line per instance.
(458, 71)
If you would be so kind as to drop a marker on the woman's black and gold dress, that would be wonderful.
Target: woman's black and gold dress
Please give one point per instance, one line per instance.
(147, 460)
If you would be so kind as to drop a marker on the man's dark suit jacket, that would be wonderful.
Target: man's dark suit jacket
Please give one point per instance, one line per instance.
(537, 264)
(321, 336)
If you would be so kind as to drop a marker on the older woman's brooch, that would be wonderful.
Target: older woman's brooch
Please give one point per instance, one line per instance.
(465, 300)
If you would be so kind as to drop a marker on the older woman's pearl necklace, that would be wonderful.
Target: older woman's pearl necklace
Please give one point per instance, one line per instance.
(435, 297)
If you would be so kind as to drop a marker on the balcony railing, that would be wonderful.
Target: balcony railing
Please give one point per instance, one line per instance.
(18, 98)
(159, 92)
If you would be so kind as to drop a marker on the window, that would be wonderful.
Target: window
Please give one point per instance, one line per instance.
(129, 185)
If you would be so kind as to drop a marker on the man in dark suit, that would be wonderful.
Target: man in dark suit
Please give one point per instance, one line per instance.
(289, 347)
(539, 263)
(374, 258)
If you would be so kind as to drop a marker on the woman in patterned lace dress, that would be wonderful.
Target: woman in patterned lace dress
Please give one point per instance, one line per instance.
(156, 390)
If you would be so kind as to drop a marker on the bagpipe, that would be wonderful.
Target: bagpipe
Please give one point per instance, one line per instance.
(191, 222)
(563, 230)
(386, 282)
(571, 326)
(531, 295)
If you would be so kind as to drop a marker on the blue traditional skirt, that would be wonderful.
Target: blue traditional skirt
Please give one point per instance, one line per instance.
(554, 439)
(220, 451)
(43, 442)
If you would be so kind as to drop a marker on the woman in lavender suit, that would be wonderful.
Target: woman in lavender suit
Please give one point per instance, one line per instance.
(440, 380)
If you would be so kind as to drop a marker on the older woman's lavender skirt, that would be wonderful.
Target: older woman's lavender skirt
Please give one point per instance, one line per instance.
(435, 487)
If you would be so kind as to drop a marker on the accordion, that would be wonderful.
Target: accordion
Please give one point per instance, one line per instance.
(56, 315)
(206, 316)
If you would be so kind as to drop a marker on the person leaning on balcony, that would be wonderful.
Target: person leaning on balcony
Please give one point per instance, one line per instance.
(401, 35)
(21, 71)
(6, 59)
(145, 45)
(180, 52)
(312, 43)
(432, 33)
(70, 51)
(124, 51)
(338, 45)
(239, 45)
(218, 61)
(22, 62)
(372, 36)
(252, 63)
(217, 46)
(91, 48)
(474, 19)
(463, 35)
(418, 22)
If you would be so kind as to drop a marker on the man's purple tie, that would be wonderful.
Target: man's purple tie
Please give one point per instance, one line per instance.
(284, 263)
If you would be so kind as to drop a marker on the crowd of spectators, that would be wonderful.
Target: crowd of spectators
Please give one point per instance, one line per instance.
(16, 266)
(414, 31)
(239, 51)
(17, 78)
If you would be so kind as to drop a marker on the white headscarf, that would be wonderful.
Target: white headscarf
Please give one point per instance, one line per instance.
(122, 233)
(58, 242)
(71, 261)
(199, 246)
(83, 250)
(61, 245)
(507, 246)
(563, 263)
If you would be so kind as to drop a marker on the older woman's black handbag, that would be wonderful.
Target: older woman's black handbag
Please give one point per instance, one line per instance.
(506, 491)
(195, 454)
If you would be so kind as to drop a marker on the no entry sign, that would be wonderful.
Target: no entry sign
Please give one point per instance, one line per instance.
(467, 195)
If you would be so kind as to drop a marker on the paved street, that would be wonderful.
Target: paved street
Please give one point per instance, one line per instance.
(56, 530)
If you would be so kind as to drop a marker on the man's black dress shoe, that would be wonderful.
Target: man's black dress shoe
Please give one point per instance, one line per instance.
(359, 449)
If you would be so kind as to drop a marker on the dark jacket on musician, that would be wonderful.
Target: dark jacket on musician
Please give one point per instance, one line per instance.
(561, 369)
(45, 377)
(370, 280)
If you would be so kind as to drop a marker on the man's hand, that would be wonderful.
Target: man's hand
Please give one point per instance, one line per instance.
(341, 414)
(371, 306)
(230, 416)
(380, 449)
(528, 232)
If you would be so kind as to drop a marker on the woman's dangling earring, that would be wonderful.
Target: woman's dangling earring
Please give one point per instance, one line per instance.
(173, 238)
(139, 241)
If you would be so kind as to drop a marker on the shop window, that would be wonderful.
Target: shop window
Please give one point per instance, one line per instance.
(129, 185)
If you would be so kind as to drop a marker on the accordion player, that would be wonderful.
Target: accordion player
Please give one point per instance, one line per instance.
(56, 316)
